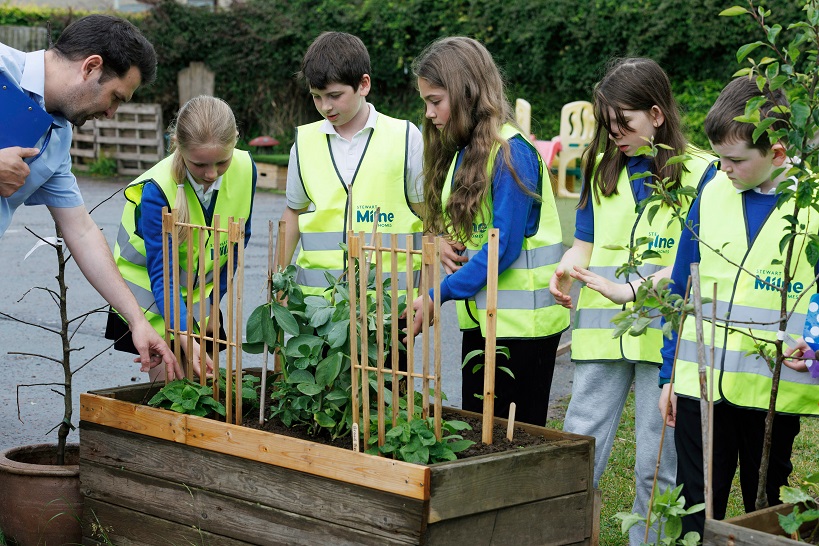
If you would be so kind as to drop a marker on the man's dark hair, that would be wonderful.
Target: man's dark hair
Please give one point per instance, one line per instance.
(720, 125)
(120, 44)
(335, 57)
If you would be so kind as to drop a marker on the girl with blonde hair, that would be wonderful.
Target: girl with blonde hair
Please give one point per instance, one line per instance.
(203, 177)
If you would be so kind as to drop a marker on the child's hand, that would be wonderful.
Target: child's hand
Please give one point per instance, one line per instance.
(668, 405)
(559, 286)
(451, 257)
(616, 292)
(418, 313)
(800, 356)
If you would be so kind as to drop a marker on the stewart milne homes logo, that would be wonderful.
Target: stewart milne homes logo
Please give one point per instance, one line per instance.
(769, 280)
(365, 214)
(661, 245)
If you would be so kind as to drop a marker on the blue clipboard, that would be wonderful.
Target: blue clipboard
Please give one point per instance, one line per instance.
(23, 122)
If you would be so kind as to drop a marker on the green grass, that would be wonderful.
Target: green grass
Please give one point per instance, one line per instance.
(617, 483)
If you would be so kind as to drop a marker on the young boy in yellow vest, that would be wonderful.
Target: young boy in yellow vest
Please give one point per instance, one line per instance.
(355, 158)
(742, 220)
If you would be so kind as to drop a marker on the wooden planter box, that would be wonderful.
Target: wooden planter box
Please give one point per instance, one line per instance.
(152, 476)
(760, 528)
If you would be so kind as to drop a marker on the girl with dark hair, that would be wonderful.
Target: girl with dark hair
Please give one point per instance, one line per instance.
(633, 106)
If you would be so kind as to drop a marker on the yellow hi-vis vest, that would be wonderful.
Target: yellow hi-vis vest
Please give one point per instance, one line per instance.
(526, 308)
(745, 297)
(234, 199)
(617, 220)
(379, 183)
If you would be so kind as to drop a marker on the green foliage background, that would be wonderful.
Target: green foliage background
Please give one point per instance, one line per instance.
(551, 51)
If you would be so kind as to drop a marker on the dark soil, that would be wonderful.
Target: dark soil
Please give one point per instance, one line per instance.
(521, 438)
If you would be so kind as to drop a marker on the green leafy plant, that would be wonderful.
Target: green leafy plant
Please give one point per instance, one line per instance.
(103, 166)
(665, 518)
(415, 442)
(806, 507)
(250, 389)
(315, 387)
(185, 396)
(501, 350)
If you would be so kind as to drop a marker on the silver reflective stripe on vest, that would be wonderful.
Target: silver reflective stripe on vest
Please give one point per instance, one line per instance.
(315, 277)
(518, 299)
(753, 317)
(328, 240)
(127, 250)
(532, 258)
(146, 300)
(737, 362)
(601, 318)
(129, 253)
(417, 239)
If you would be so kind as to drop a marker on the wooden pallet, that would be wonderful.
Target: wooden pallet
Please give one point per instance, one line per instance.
(134, 138)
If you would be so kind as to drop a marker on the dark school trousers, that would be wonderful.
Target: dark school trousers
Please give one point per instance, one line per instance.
(738, 435)
(533, 364)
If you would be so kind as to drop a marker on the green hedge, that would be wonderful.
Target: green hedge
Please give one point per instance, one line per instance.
(551, 52)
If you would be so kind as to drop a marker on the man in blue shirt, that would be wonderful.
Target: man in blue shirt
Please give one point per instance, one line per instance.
(96, 64)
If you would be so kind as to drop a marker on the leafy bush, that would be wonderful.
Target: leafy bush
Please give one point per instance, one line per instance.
(551, 52)
(315, 388)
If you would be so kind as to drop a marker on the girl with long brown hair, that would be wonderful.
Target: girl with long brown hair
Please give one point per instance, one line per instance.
(480, 173)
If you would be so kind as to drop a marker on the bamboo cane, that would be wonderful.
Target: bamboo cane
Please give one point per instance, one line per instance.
(167, 226)
(379, 332)
(240, 286)
(214, 317)
(701, 365)
(428, 257)
(189, 303)
(202, 309)
(394, 353)
(436, 321)
(176, 293)
(353, 244)
(269, 297)
(365, 357)
(491, 325)
(410, 343)
(667, 409)
(709, 490)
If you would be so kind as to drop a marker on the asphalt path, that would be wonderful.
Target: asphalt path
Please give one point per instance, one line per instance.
(28, 414)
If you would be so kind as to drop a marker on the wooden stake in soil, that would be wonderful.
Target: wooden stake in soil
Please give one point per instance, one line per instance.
(697, 295)
(167, 227)
(510, 425)
(709, 479)
(667, 409)
(278, 359)
(353, 251)
(491, 325)
(203, 349)
(410, 343)
(189, 303)
(214, 317)
(269, 296)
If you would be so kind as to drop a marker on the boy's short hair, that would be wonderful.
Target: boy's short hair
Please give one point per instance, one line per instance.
(335, 57)
(720, 125)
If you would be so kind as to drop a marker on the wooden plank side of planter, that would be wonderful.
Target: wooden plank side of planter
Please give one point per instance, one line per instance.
(759, 527)
(560, 520)
(146, 420)
(349, 505)
(220, 514)
(396, 477)
(122, 525)
(488, 482)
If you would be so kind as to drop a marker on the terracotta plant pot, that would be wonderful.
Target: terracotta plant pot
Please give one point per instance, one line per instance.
(40, 502)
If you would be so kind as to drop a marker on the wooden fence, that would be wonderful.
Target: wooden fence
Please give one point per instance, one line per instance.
(134, 138)
(24, 38)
